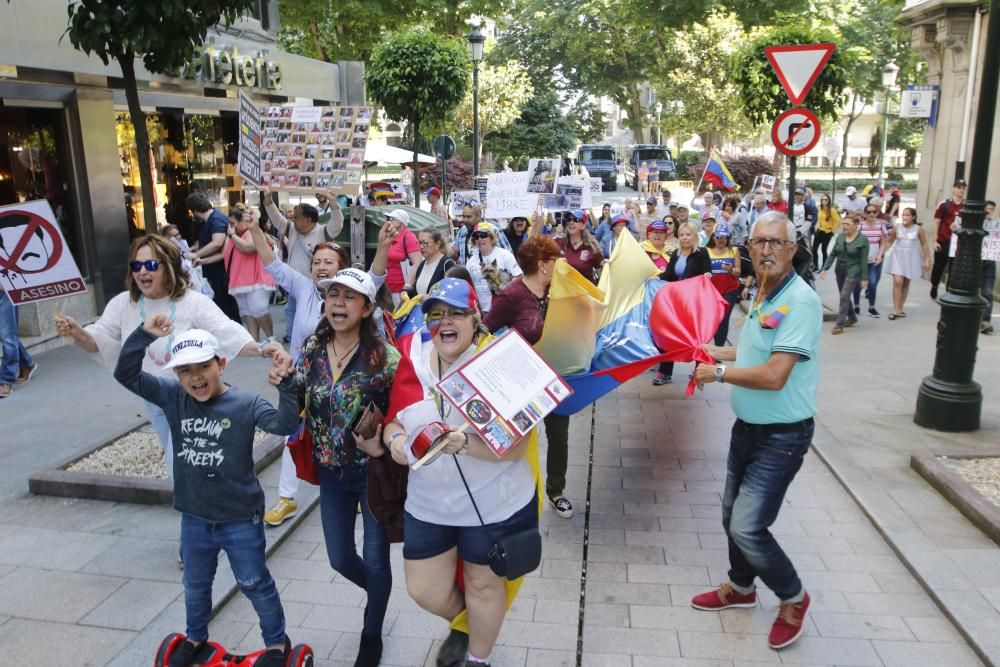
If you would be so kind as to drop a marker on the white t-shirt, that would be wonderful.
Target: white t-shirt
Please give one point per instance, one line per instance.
(505, 262)
(435, 492)
(426, 273)
(856, 205)
(192, 311)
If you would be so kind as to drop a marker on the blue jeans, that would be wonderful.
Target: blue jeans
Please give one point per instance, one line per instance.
(243, 542)
(989, 280)
(158, 420)
(289, 314)
(15, 356)
(874, 275)
(340, 491)
(763, 461)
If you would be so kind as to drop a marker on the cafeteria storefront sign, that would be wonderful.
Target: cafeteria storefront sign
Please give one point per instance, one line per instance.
(225, 65)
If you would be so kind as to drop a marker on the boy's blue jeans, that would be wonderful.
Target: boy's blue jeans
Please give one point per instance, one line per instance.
(763, 461)
(243, 542)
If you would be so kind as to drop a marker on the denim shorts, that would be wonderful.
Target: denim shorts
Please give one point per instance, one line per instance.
(423, 540)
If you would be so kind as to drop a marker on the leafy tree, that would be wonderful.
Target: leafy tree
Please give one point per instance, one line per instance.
(589, 123)
(164, 34)
(419, 77)
(504, 89)
(906, 135)
(541, 131)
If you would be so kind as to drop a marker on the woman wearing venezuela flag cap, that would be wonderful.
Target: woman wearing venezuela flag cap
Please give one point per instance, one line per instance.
(460, 504)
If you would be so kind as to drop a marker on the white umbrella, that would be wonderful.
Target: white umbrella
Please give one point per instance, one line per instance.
(385, 154)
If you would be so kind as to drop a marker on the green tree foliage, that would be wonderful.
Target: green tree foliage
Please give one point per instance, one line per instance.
(587, 120)
(697, 74)
(907, 135)
(760, 92)
(504, 89)
(163, 33)
(541, 131)
(419, 77)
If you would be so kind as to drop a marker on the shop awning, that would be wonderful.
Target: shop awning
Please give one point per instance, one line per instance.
(385, 154)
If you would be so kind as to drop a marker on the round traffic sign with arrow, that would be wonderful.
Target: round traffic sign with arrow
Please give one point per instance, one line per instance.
(795, 132)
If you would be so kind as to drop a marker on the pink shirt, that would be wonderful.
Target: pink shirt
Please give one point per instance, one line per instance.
(400, 249)
(246, 271)
(874, 235)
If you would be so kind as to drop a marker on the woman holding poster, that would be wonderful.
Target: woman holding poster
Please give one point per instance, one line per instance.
(460, 505)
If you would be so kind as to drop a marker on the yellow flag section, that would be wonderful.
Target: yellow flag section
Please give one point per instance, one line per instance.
(623, 280)
(569, 335)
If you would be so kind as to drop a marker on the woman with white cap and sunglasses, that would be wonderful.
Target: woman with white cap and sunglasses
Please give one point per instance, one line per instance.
(345, 366)
(450, 500)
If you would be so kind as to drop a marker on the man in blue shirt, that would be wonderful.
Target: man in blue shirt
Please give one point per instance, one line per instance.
(774, 380)
(211, 239)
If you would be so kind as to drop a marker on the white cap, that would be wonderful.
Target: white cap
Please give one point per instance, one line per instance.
(355, 279)
(851, 190)
(193, 347)
(401, 215)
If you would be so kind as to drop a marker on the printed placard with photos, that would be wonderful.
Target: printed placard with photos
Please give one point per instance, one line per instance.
(314, 149)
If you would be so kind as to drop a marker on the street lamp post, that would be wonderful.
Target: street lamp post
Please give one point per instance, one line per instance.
(889, 73)
(659, 110)
(476, 39)
(949, 399)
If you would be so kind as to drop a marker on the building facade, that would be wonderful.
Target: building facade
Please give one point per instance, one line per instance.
(66, 135)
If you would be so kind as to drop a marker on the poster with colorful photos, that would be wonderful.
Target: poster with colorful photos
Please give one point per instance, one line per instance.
(504, 391)
(313, 149)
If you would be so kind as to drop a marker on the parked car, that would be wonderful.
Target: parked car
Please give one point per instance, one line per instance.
(640, 153)
(601, 162)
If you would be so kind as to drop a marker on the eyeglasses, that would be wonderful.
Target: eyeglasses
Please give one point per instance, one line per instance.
(773, 244)
(150, 264)
(424, 244)
(447, 314)
(480, 235)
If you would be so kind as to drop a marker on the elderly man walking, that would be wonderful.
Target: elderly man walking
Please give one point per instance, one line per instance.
(774, 380)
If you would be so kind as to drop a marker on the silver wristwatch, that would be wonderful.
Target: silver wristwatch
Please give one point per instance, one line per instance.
(720, 373)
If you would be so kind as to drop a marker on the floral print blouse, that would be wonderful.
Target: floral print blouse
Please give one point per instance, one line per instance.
(331, 406)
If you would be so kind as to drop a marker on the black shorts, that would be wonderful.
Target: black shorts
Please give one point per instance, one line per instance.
(422, 540)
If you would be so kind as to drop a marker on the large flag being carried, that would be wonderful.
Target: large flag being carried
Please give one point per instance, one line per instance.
(716, 172)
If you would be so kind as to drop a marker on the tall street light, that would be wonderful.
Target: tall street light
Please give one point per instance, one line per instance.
(476, 39)
(659, 110)
(949, 399)
(889, 73)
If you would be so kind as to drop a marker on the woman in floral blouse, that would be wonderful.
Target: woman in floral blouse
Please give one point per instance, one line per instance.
(345, 366)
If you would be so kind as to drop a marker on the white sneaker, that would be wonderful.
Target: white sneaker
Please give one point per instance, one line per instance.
(562, 506)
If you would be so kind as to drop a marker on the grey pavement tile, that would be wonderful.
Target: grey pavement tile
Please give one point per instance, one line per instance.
(827, 651)
(137, 558)
(981, 565)
(663, 539)
(871, 546)
(726, 647)
(821, 528)
(416, 624)
(43, 644)
(603, 553)
(540, 657)
(658, 509)
(646, 661)
(552, 589)
(862, 626)
(553, 568)
(828, 601)
(134, 605)
(627, 593)
(240, 610)
(608, 660)
(958, 533)
(992, 594)
(342, 619)
(704, 557)
(919, 654)
(682, 525)
(667, 574)
(674, 618)
(557, 611)
(52, 595)
(556, 636)
(607, 572)
(656, 484)
(866, 563)
(396, 650)
(845, 582)
(523, 609)
(913, 603)
(689, 497)
(304, 570)
(52, 549)
(817, 545)
(607, 615)
(939, 630)
(636, 641)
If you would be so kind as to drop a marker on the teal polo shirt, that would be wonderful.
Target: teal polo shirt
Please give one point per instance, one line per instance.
(789, 320)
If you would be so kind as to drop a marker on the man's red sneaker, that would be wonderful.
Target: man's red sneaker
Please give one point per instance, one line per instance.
(788, 626)
(724, 597)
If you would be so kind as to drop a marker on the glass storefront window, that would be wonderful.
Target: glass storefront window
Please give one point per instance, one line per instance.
(190, 153)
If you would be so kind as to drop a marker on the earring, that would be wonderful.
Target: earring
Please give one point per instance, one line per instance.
(544, 272)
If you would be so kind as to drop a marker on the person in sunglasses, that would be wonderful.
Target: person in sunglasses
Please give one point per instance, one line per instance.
(327, 259)
(156, 284)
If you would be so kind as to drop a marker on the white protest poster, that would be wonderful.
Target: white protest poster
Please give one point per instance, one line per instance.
(582, 182)
(459, 199)
(991, 243)
(596, 186)
(35, 262)
(767, 183)
(543, 173)
(507, 195)
(573, 194)
(556, 202)
(314, 149)
(248, 161)
(504, 391)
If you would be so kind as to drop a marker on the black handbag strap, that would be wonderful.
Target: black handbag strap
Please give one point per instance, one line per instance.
(469, 491)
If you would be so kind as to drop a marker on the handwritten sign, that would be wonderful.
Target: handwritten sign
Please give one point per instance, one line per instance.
(991, 242)
(505, 391)
(507, 195)
(459, 199)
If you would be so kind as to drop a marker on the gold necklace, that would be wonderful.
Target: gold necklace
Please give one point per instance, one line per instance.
(340, 359)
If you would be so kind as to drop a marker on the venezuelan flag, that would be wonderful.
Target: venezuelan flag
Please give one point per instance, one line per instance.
(716, 172)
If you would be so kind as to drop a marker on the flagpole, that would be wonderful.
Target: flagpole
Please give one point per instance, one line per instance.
(704, 171)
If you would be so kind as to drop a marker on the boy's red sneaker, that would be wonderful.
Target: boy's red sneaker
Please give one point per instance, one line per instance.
(788, 626)
(724, 597)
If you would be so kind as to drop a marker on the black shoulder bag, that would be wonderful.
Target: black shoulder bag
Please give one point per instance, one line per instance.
(512, 556)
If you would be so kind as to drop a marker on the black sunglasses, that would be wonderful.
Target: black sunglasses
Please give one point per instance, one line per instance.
(480, 235)
(150, 264)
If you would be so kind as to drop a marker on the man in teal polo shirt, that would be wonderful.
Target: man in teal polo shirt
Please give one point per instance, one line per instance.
(774, 382)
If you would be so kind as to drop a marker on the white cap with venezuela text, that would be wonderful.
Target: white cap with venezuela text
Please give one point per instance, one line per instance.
(193, 347)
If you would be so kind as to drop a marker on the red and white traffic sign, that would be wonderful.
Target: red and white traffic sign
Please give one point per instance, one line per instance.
(795, 132)
(35, 264)
(798, 66)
